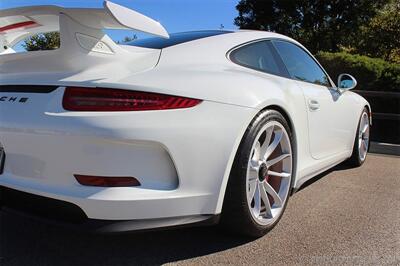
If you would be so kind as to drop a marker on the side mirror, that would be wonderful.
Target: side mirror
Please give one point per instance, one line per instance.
(346, 82)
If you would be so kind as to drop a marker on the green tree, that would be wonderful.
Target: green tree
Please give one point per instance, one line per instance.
(381, 36)
(128, 39)
(51, 41)
(42, 41)
(319, 24)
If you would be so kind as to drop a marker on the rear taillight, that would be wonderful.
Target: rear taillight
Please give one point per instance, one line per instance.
(109, 100)
(18, 26)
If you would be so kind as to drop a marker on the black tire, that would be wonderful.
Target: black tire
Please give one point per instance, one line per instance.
(236, 216)
(355, 160)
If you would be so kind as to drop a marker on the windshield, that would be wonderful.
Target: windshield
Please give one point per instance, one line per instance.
(174, 39)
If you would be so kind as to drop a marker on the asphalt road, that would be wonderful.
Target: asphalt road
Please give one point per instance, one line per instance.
(346, 216)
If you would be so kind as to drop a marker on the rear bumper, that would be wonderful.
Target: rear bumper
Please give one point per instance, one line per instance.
(182, 158)
(117, 203)
(65, 214)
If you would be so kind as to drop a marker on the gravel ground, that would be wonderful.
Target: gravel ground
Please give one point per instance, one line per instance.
(345, 216)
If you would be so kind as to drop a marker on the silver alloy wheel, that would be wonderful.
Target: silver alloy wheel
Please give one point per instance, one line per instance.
(363, 136)
(269, 173)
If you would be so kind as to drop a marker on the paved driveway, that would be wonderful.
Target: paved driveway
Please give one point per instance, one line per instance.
(346, 216)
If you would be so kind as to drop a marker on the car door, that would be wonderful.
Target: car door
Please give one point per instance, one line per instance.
(330, 128)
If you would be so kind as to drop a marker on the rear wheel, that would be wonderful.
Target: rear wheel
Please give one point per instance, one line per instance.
(261, 178)
(361, 142)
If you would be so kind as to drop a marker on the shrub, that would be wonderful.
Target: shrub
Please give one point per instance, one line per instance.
(372, 74)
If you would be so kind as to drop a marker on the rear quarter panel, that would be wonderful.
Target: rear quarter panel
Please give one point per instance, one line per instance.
(205, 72)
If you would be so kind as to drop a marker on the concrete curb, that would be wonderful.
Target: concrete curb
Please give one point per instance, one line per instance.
(385, 148)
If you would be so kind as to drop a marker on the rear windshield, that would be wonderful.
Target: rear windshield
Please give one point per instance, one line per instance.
(174, 39)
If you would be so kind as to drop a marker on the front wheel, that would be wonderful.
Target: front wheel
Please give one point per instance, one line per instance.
(261, 178)
(361, 142)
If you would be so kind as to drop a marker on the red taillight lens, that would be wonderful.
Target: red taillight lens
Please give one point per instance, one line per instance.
(107, 181)
(20, 26)
(109, 100)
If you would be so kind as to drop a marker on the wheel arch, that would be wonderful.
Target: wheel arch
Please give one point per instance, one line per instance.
(363, 106)
(282, 111)
(369, 113)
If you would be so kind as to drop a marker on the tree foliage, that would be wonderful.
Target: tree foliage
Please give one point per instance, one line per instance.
(42, 41)
(381, 36)
(51, 41)
(319, 24)
(128, 39)
(372, 74)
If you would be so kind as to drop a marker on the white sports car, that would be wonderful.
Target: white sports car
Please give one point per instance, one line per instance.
(192, 127)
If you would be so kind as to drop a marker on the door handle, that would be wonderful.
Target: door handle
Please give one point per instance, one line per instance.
(313, 105)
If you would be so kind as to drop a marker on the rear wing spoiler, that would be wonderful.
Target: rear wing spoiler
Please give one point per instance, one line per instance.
(19, 23)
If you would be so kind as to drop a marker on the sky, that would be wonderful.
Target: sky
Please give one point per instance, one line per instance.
(174, 15)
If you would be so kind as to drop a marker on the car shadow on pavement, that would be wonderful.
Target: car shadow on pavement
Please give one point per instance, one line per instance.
(26, 242)
(339, 167)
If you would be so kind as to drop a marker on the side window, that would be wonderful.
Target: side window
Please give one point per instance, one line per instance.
(259, 56)
(300, 64)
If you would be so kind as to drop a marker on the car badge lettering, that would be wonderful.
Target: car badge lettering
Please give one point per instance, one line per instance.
(13, 99)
